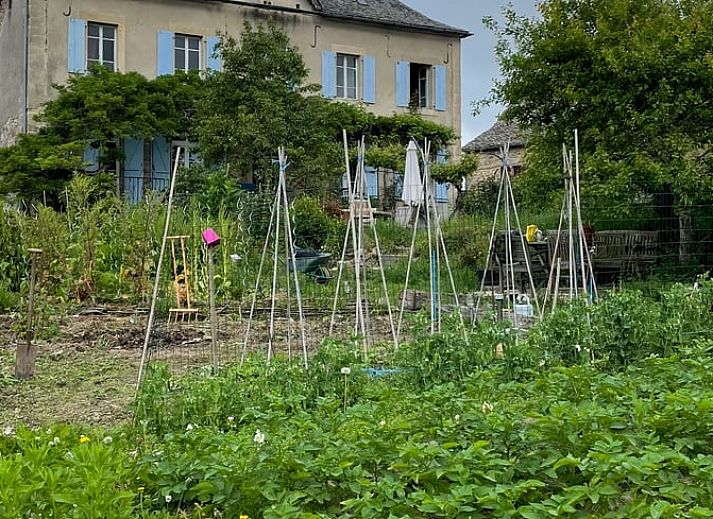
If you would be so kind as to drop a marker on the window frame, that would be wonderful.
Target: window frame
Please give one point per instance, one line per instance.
(101, 60)
(187, 51)
(188, 158)
(344, 72)
(422, 92)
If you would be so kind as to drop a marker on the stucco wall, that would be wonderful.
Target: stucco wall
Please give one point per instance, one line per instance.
(11, 70)
(139, 21)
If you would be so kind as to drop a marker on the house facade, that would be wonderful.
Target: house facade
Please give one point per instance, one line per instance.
(378, 53)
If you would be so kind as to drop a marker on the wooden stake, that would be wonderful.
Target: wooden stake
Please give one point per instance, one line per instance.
(159, 266)
(27, 353)
(213, 313)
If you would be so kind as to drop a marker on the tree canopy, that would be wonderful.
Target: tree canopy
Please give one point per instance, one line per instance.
(635, 77)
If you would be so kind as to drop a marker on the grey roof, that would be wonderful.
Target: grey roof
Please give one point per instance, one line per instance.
(499, 134)
(384, 12)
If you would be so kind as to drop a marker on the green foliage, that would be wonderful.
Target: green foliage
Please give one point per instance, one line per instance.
(208, 188)
(632, 76)
(38, 167)
(313, 228)
(104, 106)
(455, 172)
(627, 326)
(258, 103)
(493, 426)
(63, 473)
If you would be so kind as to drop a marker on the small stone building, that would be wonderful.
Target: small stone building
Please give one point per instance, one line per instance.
(487, 146)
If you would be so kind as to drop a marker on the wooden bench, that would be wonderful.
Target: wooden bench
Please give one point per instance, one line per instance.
(624, 252)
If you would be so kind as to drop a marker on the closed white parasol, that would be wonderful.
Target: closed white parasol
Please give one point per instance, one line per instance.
(413, 186)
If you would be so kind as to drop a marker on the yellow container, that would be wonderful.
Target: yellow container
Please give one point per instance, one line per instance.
(531, 233)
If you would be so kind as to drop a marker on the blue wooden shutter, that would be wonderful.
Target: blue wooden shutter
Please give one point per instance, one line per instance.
(160, 163)
(134, 170)
(329, 74)
(372, 182)
(213, 60)
(402, 83)
(369, 95)
(76, 46)
(164, 53)
(442, 188)
(441, 88)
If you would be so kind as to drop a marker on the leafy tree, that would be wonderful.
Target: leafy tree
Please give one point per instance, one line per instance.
(37, 167)
(259, 102)
(635, 77)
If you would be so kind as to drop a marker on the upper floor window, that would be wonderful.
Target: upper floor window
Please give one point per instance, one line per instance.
(187, 52)
(347, 76)
(101, 45)
(420, 82)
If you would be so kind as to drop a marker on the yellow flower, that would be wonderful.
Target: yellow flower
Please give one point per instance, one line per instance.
(244, 517)
(141, 490)
(84, 439)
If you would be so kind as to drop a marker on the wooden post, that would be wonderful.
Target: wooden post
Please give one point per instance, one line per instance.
(213, 313)
(27, 353)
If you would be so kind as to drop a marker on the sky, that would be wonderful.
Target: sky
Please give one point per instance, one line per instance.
(480, 67)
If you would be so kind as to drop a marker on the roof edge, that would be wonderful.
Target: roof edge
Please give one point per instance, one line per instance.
(319, 12)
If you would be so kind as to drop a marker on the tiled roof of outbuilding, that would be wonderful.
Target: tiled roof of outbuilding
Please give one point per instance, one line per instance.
(499, 134)
(387, 12)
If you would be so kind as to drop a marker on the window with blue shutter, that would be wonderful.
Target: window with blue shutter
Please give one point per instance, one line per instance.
(329, 74)
(160, 163)
(441, 88)
(164, 53)
(369, 79)
(76, 46)
(403, 69)
(372, 182)
(213, 60)
(134, 170)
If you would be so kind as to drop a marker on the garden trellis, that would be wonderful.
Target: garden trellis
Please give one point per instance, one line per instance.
(280, 222)
(508, 286)
(361, 213)
(425, 202)
(578, 257)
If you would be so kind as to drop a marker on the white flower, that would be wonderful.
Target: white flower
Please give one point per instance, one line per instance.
(54, 442)
(487, 407)
(542, 362)
(346, 371)
(231, 419)
(577, 348)
(189, 427)
(382, 423)
(457, 418)
(107, 440)
(168, 498)
(259, 437)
